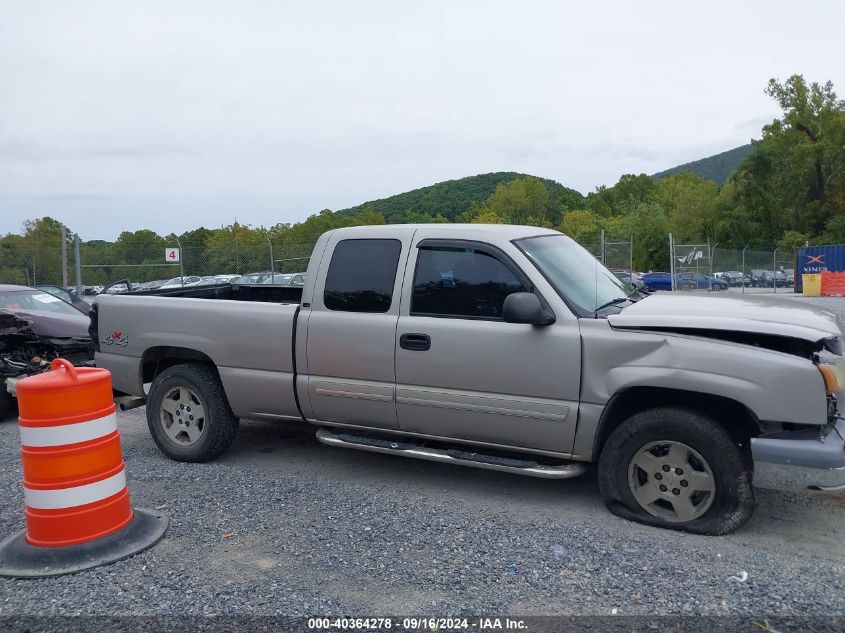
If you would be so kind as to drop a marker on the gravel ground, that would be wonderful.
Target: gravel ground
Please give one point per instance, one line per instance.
(320, 530)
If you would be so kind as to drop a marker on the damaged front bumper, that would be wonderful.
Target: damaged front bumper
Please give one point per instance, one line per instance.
(797, 460)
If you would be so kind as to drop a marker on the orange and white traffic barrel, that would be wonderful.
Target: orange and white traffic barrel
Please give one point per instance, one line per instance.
(77, 512)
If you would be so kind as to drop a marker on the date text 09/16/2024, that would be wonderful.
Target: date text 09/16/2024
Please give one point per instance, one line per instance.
(416, 624)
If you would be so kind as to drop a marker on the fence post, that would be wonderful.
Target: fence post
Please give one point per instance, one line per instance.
(631, 257)
(712, 250)
(181, 262)
(272, 270)
(78, 264)
(775, 270)
(601, 246)
(64, 257)
(672, 260)
(743, 269)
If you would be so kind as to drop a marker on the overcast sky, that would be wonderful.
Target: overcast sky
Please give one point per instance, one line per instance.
(170, 115)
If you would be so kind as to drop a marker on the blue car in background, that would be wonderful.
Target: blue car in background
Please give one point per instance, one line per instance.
(657, 281)
(697, 281)
(683, 281)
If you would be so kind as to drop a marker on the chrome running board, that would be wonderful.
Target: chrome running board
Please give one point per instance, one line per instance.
(460, 457)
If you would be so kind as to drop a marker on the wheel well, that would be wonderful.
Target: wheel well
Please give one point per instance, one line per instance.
(735, 417)
(157, 359)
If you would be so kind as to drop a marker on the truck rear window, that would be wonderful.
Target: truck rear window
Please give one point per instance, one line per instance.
(361, 275)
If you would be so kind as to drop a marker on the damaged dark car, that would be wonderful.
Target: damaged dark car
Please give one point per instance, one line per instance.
(35, 328)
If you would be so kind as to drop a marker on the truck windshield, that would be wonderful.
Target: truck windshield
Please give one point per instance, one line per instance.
(577, 276)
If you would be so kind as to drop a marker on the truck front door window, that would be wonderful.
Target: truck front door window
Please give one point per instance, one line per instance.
(361, 275)
(461, 282)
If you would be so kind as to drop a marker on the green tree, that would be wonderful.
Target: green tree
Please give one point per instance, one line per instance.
(486, 216)
(792, 240)
(651, 231)
(691, 205)
(519, 201)
(794, 177)
(583, 226)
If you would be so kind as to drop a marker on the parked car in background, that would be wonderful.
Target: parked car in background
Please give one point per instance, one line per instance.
(252, 278)
(762, 278)
(790, 278)
(657, 281)
(735, 278)
(178, 282)
(698, 281)
(297, 280)
(36, 326)
(784, 278)
(279, 279)
(631, 278)
(68, 296)
(218, 279)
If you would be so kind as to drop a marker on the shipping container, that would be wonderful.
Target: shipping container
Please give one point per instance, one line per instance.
(812, 260)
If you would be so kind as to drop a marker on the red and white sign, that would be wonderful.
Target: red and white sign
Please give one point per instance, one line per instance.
(171, 255)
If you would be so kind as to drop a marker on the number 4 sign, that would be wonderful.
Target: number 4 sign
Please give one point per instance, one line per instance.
(171, 255)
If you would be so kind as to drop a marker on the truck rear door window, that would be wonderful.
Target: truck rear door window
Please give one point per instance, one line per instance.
(361, 275)
(461, 282)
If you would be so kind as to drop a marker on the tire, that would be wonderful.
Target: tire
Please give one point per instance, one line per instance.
(188, 414)
(718, 507)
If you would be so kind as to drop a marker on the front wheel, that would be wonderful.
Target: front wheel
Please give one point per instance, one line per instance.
(676, 468)
(188, 413)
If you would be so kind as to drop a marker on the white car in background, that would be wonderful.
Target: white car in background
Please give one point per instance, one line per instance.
(179, 282)
(216, 279)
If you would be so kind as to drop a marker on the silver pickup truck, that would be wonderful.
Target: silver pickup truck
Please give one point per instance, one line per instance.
(502, 347)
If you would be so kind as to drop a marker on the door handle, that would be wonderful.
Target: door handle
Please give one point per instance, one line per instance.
(415, 342)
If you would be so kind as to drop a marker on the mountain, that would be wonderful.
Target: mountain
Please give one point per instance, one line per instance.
(453, 197)
(716, 168)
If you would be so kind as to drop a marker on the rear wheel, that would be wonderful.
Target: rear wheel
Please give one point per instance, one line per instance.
(676, 468)
(188, 413)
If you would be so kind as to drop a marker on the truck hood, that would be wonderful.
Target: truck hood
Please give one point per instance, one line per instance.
(755, 314)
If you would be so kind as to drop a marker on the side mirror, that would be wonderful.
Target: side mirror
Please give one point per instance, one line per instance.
(525, 307)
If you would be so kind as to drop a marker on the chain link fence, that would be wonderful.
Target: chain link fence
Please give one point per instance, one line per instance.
(31, 264)
(143, 262)
(617, 254)
(692, 266)
(755, 270)
(101, 263)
